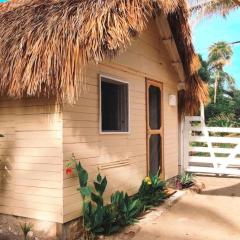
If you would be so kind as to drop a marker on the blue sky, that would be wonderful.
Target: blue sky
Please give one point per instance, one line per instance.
(216, 29)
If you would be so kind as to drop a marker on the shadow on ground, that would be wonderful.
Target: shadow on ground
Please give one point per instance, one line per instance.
(231, 191)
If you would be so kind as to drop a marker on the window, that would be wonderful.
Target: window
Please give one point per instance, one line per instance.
(114, 105)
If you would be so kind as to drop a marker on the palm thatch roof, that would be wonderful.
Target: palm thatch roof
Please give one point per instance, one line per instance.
(196, 91)
(45, 44)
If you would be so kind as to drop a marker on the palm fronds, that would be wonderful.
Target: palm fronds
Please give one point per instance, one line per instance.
(220, 54)
(203, 8)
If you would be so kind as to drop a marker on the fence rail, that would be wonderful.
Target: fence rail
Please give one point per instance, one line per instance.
(211, 149)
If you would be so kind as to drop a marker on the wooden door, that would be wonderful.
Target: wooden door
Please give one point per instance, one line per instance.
(154, 127)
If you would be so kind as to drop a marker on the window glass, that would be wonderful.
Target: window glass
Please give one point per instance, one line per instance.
(155, 154)
(114, 105)
(154, 107)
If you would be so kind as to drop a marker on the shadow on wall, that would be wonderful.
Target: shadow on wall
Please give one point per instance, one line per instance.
(121, 157)
(30, 157)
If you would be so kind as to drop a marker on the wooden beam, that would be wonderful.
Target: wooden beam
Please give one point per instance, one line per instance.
(168, 40)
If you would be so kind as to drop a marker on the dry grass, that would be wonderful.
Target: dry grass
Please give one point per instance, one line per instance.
(46, 44)
(196, 91)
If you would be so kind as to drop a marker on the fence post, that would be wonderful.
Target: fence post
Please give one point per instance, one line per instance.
(202, 113)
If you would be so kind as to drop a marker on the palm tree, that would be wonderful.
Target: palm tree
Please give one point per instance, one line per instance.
(210, 7)
(220, 54)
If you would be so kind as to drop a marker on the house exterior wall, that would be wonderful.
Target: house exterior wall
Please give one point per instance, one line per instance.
(121, 157)
(40, 138)
(31, 179)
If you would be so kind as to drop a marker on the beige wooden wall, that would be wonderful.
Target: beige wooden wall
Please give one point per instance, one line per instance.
(38, 137)
(31, 178)
(121, 157)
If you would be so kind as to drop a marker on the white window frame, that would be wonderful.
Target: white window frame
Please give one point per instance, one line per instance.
(100, 104)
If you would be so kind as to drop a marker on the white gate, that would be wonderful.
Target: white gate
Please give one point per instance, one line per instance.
(211, 149)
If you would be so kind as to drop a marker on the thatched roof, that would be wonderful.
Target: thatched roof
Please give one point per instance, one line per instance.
(45, 44)
(196, 91)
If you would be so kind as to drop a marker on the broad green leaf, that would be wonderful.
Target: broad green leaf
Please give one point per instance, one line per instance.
(97, 187)
(103, 185)
(99, 178)
(85, 191)
(83, 177)
(97, 199)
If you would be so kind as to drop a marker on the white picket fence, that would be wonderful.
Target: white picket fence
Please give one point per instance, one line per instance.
(207, 152)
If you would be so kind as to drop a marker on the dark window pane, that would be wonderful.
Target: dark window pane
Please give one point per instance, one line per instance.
(155, 153)
(114, 106)
(154, 107)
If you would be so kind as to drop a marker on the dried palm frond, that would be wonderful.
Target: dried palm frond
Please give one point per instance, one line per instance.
(196, 91)
(46, 44)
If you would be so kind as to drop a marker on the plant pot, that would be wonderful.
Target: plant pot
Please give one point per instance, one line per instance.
(187, 185)
(179, 186)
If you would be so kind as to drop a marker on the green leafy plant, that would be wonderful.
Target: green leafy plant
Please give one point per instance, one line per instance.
(98, 218)
(110, 218)
(26, 228)
(123, 210)
(185, 180)
(127, 207)
(224, 120)
(152, 191)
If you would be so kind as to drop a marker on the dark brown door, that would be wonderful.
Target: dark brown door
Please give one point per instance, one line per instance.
(154, 127)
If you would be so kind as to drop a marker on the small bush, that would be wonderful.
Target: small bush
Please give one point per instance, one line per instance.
(123, 210)
(185, 180)
(127, 208)
(151, 191)
(224, 120)
(26, 228)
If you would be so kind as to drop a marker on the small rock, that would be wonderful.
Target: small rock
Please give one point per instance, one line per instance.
(197, 187)
(132, 229)
(30, 234)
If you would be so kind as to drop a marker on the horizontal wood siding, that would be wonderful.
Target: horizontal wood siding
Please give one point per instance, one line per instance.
(31, 183)
(121, 157)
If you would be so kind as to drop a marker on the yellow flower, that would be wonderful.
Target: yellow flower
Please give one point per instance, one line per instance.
(148, 180)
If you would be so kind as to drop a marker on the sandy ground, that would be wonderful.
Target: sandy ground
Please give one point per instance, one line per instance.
(212, 215)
